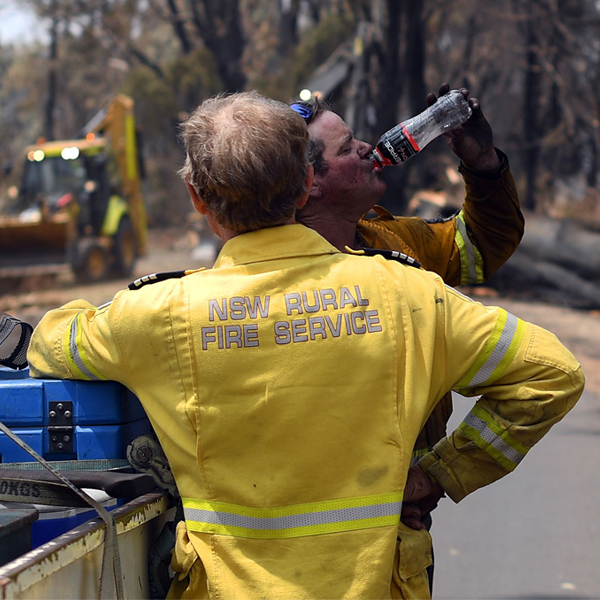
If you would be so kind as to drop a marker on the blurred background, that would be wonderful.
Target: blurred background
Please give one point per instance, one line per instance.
(535, 65)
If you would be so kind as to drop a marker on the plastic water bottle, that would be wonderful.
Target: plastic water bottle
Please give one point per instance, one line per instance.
(410, 137)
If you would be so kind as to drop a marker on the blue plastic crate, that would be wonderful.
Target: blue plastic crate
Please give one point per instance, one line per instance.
(55, 520)
(52, 521)
(68, 420)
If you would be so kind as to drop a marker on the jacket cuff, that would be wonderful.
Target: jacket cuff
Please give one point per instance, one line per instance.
(470, 175)
(435, 465)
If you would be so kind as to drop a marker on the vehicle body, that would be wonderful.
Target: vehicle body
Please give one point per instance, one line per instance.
(70, 565)
(80, 203)
(58, 550)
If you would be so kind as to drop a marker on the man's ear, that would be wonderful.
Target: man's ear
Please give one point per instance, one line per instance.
(198, 203)
(308, 186)
(315, 189)
(203, 209)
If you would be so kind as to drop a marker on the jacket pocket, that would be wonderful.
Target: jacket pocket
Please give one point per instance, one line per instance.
(413, 555)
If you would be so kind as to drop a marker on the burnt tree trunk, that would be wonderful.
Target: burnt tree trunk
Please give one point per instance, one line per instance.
(288, 26)
(390, 86)
(218, 25)
(178, 23)
(531, 110)
(414, 57)
(49, 109)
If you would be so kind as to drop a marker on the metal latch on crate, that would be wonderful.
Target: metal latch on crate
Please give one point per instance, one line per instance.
(60, 428)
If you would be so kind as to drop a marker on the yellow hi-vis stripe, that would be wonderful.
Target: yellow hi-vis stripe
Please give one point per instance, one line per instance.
(77, 358)
(497, 354)
(491, 437)
(471, 261)
(297, 520)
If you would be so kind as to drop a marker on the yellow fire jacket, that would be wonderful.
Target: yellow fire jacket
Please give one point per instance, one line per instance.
(464, 250)
(288, 385)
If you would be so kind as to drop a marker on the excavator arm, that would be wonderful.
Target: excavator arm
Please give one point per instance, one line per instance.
(117, 124)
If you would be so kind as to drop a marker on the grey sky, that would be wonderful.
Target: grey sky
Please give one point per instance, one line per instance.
(18, 23)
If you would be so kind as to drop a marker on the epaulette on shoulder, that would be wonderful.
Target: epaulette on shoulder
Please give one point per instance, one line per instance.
(390, 255)
(156, 277)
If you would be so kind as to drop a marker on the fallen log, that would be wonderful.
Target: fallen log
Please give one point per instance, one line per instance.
(557, 262)
(531, 278)
(563, 242)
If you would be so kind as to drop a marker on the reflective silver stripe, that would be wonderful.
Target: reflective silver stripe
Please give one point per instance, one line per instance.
(499, 351)
(469, 251)
(75, 355)
(403, 257)
(291, 521)
(458, 293)
(139, 282)
(487, 435)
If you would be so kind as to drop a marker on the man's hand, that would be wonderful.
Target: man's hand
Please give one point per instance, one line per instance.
(421, 496)
(473, 141)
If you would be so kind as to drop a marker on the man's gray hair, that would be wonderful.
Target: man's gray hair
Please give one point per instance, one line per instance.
(246, 159)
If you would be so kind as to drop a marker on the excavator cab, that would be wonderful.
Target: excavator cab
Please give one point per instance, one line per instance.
(53, 182)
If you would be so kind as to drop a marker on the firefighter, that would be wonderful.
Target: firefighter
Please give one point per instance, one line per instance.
(288, 384)
(465, 249)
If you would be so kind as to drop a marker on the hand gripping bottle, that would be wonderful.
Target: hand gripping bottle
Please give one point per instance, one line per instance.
(409, 137)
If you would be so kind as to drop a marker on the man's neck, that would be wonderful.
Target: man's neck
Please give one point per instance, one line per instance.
(339, 231)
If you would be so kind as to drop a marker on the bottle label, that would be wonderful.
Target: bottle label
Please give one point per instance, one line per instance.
(400, 147)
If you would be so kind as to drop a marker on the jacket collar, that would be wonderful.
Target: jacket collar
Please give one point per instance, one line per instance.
(287, 241)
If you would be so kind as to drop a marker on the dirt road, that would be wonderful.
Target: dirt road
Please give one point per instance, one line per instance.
(578, 330)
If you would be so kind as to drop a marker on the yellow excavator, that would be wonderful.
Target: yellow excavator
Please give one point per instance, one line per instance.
(80, 202)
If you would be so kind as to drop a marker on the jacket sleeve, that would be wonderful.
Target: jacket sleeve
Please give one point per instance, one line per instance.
(490, 221)
(76, 341)
(464, 249)
(527, 382)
